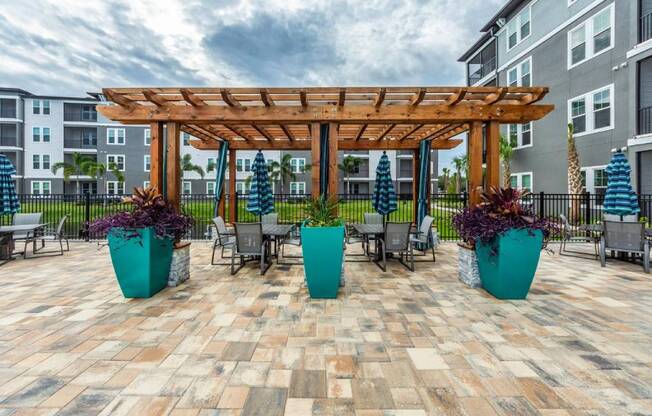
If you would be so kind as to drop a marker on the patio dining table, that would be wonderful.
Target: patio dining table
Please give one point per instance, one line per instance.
(6, 239)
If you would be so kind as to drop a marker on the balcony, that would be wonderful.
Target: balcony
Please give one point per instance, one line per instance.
(645, 121)
(9, 136)
(80, 138)
(7, 108)
(645, 27)
(79, 112)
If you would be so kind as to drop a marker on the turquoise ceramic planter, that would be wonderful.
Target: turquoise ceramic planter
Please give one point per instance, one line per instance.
(323, 254)
(507, 272)
(141, 263)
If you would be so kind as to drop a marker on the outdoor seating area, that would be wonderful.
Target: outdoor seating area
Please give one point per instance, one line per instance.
(396, 343)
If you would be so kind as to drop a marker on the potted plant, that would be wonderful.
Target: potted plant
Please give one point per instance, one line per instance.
(141, 242)
(322, 242)
(508, 240)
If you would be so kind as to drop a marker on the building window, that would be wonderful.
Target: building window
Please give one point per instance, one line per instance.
(148, 165)
(592, 112)
(594, 179)
(186, 138)
(355, 188)
(116, 160)
(46, 107)
(297, 188)
(520, 135)
(210, 188)
(243, 165)
(146, 184)
(519, 28)
(88, 113)
(36, 134)
(89, 138)
(298, 165)
(482, 64)
(522, 181)
(89, 188)
(36, 162)
(148, 136)
(521, 74)
(591, 38)
(242, 187)
(46, 134)
(187, 187)
(115, 188)
(46, 162)
(36, 107)
(115, 136)
(41, 187)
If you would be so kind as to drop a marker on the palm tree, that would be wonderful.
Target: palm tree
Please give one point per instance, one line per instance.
(281, 171)
(506, 150)
(445, 173)
(81, 165)
(460, 164)
(349, 165)
(188, 166)
(574, 175)
(211, 166)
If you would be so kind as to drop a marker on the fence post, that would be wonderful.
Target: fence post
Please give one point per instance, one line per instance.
(465, 199)
(87, 217)
(236, 207)
(587, 207)
(542, 205)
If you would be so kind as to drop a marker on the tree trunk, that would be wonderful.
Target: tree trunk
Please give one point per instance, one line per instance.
(574, 178)
(507, 174)
(458, 182)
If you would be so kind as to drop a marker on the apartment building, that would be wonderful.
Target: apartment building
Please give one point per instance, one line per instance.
(596, 57)
(38, 131)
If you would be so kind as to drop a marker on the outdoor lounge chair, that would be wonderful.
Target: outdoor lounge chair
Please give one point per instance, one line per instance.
(425, 237)
(251, 242)
(575, 236)
(625, 237)
(225, 239)
(26, 236)
(57, 235)
(396, 240)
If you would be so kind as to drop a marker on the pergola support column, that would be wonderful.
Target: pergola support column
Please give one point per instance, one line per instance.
(232, 177)
(475, 162)
(332, 161)
(315, 153)
(173, 166)
(415, 184)
(156, 153)
(493, 154)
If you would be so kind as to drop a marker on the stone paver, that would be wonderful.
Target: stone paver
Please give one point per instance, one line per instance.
(395, 343)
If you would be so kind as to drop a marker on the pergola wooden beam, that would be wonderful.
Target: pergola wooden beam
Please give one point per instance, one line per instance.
(418, 97)
(457, 97)
(380, 98)
(360, 132)
(288, 133)
(191, 98)
(155, 98)
(303, 98)
(263, 132)
(385, 132)
(266, 98)
(237, 131)
(228, 98)
(496, 96)
(341, 99)
(410, 132)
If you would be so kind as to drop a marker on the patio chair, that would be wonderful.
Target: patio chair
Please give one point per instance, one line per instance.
(371, 218)
(270, 218)
(250, 242)
(26, 236)
(396, 240)
(351, 236)
(425, 237)
(225, 239)
(294, 239)
(56, 235)
(625, 237)
(568, 234)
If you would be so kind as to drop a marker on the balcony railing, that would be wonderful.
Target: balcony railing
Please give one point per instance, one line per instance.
(485, 69)
(645, 120)
(9, 141)
(8, 112)
(70, 143)
(645, 28)
(79, 116)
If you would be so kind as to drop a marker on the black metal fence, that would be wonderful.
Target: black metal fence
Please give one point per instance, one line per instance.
(81, 209)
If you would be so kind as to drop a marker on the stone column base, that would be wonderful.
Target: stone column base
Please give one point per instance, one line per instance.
(180, 267)
(469, 273)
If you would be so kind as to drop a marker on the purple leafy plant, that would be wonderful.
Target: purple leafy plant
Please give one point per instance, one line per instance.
(500, 211)
(149, 210)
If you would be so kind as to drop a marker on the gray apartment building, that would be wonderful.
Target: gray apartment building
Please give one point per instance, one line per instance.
(596, 57)
(38, 131)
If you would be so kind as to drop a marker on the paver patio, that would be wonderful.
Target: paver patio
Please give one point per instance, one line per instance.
(394, 343)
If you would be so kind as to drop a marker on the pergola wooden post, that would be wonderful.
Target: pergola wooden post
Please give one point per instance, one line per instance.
(416, 163)
(359, 118)
(156, 153)
(173, 165)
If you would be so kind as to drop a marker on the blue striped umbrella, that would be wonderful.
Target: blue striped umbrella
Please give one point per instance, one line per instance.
(8, 199)
(261, 200)
(620, 198)
(384, 198)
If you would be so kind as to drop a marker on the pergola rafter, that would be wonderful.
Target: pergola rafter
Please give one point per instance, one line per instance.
(357, 118)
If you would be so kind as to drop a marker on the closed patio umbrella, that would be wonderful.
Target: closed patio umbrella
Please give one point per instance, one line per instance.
(9, 204)
(384, 197)
(620, 198)
(261, 200)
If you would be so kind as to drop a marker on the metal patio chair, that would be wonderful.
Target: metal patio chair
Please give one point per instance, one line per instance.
(251, 242)
(56, 235)
(625, 237)
(294, 239)
(396, 240)
(270, 218)
(425, 237)
(26, 236)
(570, 235)
(225, 239)
(371, 218)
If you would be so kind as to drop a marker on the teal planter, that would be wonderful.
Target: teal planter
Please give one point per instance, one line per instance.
(507, 269)
(141, 263)
(323, 254)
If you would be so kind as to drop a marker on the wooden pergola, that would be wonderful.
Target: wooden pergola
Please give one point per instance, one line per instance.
(353, 118)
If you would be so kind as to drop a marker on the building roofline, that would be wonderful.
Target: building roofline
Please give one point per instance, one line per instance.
(505, 11)
(472, 50)
(92, 97)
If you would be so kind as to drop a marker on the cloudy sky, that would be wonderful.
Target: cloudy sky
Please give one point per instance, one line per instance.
(73, 46)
